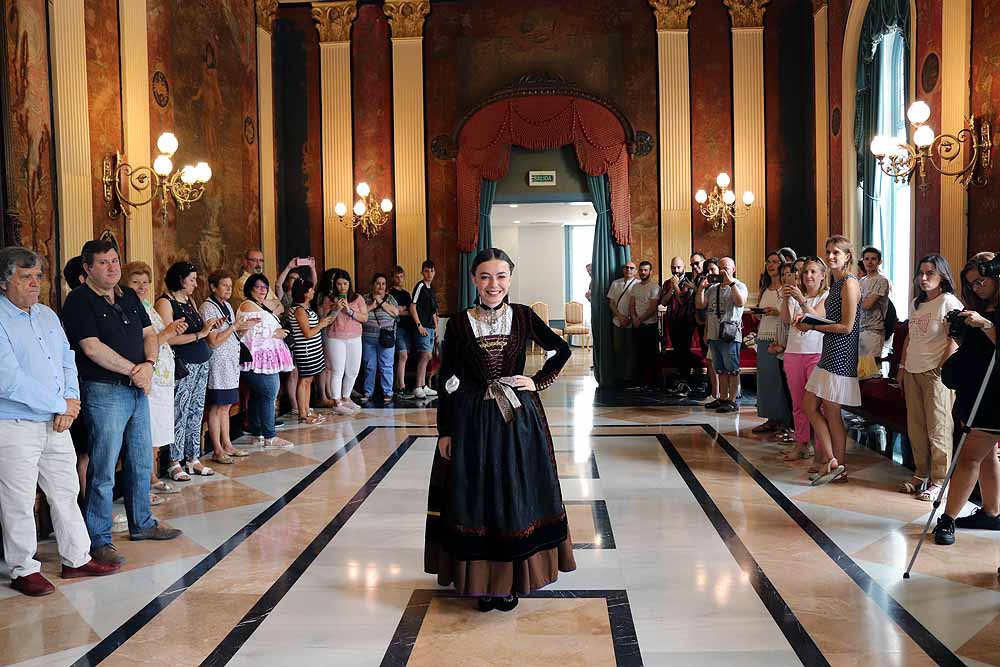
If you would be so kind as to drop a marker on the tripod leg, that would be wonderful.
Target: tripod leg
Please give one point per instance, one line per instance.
(951, 468)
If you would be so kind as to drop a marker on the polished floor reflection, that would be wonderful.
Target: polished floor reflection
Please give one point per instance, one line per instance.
(696, 545)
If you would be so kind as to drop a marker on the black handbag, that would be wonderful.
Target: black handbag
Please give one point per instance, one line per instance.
(386, 337)
(181, 370)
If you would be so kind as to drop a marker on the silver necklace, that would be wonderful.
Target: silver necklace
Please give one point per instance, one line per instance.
(490, 321)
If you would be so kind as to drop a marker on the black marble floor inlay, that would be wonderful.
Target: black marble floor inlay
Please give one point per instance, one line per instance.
(593, 473)
(623, 635)
(602, 525)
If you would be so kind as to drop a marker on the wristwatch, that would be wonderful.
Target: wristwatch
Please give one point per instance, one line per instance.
(350, 312)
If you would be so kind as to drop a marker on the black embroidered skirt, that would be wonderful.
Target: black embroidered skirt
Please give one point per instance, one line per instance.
(495, 521)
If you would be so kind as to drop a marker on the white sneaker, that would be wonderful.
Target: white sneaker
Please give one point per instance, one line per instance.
(257, 440)
(344, 409)
(419, 392)
(119, 523)
(352, 405)
(277, 443)
(429, 392)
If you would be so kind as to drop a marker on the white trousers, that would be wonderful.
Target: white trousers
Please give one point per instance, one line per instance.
(343, 358)
(32, 454)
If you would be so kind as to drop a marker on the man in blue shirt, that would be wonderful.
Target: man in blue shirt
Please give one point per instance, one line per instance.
(39, 399)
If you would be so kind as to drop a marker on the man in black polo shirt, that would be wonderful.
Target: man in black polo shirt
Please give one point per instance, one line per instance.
(116, 349)
(424, 310)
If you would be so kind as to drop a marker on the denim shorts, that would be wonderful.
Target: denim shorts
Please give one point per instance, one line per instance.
(404, 337)
(725, 356)
(424, 343)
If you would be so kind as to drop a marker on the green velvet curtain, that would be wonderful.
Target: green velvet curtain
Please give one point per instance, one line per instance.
(607, 263)
(882, 17)
(466, 291)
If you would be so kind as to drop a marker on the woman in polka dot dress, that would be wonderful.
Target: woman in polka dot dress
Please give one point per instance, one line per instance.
(834, 382)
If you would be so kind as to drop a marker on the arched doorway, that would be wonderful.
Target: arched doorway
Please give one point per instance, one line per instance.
(541, 112)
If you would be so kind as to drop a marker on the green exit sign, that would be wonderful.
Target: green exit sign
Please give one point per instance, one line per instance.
(541, 178)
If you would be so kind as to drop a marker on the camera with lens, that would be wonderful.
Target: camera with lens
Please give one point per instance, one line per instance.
(714, 278)
(990, 268)
(957, 325)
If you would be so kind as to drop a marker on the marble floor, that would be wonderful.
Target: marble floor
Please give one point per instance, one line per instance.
(696, 545)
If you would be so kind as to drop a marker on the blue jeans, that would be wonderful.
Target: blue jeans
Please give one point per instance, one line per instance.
(260, 406)
(118, 417)
(375, 359)
(725, 357)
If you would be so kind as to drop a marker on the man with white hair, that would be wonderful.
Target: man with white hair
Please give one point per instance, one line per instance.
(39, 400)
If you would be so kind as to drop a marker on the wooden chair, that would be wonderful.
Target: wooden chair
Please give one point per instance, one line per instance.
(575, 325)
(542, 310)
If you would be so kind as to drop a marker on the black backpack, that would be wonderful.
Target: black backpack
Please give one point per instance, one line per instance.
(891, 320)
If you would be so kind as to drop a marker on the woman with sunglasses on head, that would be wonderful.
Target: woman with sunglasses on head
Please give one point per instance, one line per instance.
(177, 303)
(224, 366)
(834, 381)
(929, 423)
(965, 373)
(269, 356)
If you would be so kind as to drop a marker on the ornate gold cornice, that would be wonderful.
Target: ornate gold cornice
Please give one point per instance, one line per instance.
(266, 11)
(819, 4)
(746, 13)
(672, 14)
(334, 19)
(406, 17)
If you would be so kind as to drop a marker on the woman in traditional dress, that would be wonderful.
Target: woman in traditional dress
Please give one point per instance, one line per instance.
(496, 524)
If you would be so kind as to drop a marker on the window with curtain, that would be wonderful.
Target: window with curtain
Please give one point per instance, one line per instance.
(890, 201)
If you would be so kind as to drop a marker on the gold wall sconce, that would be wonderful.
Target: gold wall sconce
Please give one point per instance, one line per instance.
(369, 214)
(719, 207)
(122, 180)
(901, 160)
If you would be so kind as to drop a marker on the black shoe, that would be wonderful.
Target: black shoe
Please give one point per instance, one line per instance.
(944, 534)
(714, 405)
(278, 423)
(506, 604)
(979, 520)
(486, 603)
(728, 407)
(635, 388)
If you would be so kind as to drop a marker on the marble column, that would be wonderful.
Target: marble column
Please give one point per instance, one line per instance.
(333, 22)
(675, 129)
(749, 168)
(956, 63)
(67, 42)
(406, 19)
(266, 10)
(821, 56)
(135, 120)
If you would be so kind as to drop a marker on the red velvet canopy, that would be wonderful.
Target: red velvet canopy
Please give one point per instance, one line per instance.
(539, 123)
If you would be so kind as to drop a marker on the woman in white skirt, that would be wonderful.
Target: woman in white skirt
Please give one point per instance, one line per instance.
(138, 276)
(834, 382)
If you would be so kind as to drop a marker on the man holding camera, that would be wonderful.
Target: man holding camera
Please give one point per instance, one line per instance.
(724, 297)
(677, 297)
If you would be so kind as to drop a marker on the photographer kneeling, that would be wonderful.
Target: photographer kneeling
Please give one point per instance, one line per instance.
(965, 372)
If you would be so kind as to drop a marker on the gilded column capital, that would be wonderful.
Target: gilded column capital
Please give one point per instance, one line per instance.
(266, 11)
(672, 14)
(334, 19)
(746, 13)
(406, 17)
(819, 4)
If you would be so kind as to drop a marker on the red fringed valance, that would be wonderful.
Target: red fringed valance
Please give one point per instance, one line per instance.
(540, 123)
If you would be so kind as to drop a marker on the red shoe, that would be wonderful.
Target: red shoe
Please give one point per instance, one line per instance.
(91, 568)
(34, 585)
